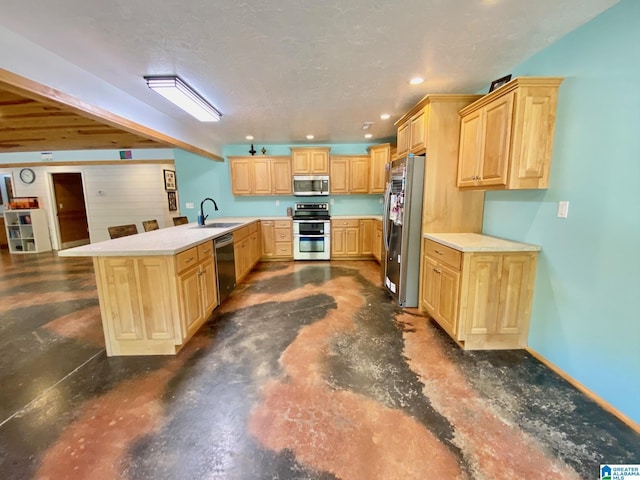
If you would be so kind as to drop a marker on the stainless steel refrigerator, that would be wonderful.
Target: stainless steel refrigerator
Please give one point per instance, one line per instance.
(402, 228)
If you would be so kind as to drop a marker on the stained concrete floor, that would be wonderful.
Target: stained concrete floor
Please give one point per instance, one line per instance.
(308, 371)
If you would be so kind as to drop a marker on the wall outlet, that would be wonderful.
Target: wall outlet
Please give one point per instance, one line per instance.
(381, 200)
(563, 209)
(331, 202)
(189, 205)
(277, 203)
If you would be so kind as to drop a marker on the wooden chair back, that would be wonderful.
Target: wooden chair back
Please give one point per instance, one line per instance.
(122, 230)
(180, 221)
(149, 225)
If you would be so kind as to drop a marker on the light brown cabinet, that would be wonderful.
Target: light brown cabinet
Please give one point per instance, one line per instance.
(481, 299)
(506, 137)
(377, 246)
(277, 239)
(380, 156)
(353, 238)
(246, 249)
(349, 174)
(152, 305)
(345, 238)
(260, 175)
(310, 161)
(197, 286)
(412, 132)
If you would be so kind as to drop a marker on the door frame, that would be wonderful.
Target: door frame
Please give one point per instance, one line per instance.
(54, 208)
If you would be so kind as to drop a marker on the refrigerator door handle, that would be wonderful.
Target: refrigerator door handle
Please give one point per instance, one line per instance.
(385, 218)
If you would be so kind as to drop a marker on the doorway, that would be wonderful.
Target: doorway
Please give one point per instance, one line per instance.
(71, 209)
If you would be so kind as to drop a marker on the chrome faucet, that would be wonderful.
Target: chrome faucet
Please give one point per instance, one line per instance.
(201, 216)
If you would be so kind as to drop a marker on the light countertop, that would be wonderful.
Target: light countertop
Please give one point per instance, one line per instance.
(165, 241)
(348, 217)
(475, 242)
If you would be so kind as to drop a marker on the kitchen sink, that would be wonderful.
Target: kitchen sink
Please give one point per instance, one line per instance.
(220, 225)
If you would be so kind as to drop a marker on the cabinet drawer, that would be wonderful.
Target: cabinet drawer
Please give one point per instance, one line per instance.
(283, 234)
(205, 250)
(282, 224)
(284, 249)
(240, 233)
(351, 222)
(187, 259)
(444, 254)
(253, 228)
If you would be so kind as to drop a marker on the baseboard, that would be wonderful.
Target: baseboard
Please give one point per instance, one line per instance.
(604, 404)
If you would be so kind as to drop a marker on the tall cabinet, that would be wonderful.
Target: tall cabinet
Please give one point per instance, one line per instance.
(27, 231)
(432, 128)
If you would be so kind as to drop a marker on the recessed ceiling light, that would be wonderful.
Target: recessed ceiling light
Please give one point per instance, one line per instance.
(416, 80)
(385, 116)
(310, 137)
(249, 137)
(368, 135)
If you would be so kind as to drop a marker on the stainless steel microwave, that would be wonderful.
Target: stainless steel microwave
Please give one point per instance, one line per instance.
(310, 185)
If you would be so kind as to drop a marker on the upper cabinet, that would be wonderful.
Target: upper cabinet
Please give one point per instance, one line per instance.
(349, 174)
(260, 175)
(380, 155)
(506, 137)
(412, 132)
(310, 160)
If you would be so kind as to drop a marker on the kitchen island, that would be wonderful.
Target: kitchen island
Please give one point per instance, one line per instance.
(156, 288)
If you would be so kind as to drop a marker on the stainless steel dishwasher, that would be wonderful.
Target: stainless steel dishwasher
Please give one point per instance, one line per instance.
(225, 266)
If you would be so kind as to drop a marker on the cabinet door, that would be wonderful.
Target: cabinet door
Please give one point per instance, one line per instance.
(403, 140)
(418, 131)
(319, 162)
(448, 299)
(191, 303)
(366, 237)
(359, 174)
(352, 241)
(470, 148)
(156, 298)
(123, 305)
(339, 175)
(482, 295)
(241, 169)
(380, 156)
(516, 284)
(268, 241)
(209, 286)
(301, 162)
(338, 243)
(497, 141)
(261, 176)
(377, 241)
(281, 176)
(430, 285)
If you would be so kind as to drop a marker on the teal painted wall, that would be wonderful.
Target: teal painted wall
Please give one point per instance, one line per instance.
(199, 177)
(586, 309)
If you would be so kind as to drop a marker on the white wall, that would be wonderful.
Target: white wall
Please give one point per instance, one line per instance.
(114, 194)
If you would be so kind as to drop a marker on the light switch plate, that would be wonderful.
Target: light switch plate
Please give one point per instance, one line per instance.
(563, 209)
(189, 205)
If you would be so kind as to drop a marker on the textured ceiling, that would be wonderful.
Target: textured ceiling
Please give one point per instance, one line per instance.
(281, 70)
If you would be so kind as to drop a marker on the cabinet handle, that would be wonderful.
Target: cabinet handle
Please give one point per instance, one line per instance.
(190, 259)
(438, 252)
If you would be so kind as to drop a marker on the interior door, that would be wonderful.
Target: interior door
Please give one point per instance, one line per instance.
(72, 210)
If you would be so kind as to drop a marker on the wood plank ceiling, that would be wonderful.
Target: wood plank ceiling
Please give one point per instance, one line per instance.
(28, 125)
(38, 118)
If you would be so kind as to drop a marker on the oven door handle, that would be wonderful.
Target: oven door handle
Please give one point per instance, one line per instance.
(311, 236)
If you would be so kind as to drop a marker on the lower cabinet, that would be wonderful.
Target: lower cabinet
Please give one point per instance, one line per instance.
(354, 238)
(377, 241)
(481, 299)
(153, 305)
(247, 249)
(277, 239)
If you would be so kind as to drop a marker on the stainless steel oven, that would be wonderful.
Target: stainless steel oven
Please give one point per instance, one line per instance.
(311, 232)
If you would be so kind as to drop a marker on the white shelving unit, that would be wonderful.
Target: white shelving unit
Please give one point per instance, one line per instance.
(27, 231)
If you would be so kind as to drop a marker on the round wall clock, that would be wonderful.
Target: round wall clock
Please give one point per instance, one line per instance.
(27, 175)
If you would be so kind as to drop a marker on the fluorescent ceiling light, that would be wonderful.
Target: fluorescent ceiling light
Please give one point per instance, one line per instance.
(249, 137)
(310, 137)
(416, 80)
(179, 93)
(368, 135)
(385, 116)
